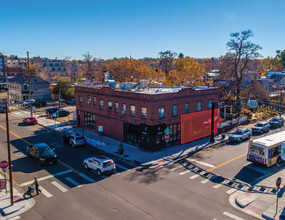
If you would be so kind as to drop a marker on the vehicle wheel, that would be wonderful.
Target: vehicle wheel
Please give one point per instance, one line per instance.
(279, 160)
(30, 156)
(72, 145)
(41, 164)
(86, 166)
(99, 172)
(240, 140)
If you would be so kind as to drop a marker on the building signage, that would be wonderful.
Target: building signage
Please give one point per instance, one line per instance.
(166, 137)
(252, 103)
(4, 164)
(283, 151)
(100, 128)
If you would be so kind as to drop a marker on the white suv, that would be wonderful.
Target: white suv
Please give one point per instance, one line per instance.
(74, 139)
(100, 164)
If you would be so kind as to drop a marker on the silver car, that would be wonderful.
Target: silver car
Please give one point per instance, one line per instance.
(75, 140)
(261, 127)
(240, 134)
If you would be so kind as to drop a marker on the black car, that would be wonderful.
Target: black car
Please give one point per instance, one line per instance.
(43, 153)
(51, 110)
(276, 122)
(60, 113)
(39, 103)
(2, 109)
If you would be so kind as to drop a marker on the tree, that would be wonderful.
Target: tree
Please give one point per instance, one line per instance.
(280, 55)
(166, 60)
(88, 67)
(187, 72)
(181, 55)
(241, 51)
(65, 87)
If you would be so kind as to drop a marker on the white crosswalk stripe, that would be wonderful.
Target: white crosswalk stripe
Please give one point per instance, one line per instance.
(245, 188)
(87, 178)
(217, 186)
(176, 168)
(194, 177)
(45, 192)
(74, 182)
(232, 216)
(184, 172)
(202, 163)
(59, 186)
(15, 218)
(231, 191)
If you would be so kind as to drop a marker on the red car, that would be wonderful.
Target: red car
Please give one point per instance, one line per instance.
(30, 121)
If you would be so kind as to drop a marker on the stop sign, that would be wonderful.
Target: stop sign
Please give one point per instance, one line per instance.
(278, 182)
(166, 137)
(4, 164)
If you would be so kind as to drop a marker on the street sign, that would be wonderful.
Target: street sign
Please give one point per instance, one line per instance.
(278, 182)
(252, 103)
(283, 151)
(4, 164)
(166, 137)
(166, 131)
(3, 183)
(100, 128)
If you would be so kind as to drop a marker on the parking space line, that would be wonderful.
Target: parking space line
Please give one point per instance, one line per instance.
(87, 178)
(45, 192)
(46, 177)
(232, 216)
(176, 168)
(74, 182)
(59, 186)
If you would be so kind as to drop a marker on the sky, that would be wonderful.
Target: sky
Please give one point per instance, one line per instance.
(136, 28)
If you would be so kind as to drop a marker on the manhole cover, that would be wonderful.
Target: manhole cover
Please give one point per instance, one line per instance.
(114, 210)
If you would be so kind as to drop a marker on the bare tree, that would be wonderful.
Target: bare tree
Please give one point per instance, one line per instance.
(166, 63)
(235, 62)
(88, 67)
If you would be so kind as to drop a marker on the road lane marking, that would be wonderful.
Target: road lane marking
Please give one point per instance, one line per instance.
(224, 163)
(232, 216)
(59, 186)
(45, 192)
(202, 163)
(74, 182)
(205, 181)
(15, 218)
(231, 191)
(176, 168)
(46, 177)
(122, 167)
(184, 172)
(245, 188)
(87, 178)
(11, 132)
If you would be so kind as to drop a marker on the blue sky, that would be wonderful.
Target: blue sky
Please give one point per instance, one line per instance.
(137, 28)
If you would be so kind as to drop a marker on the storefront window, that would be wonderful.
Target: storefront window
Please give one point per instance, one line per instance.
(89, 120)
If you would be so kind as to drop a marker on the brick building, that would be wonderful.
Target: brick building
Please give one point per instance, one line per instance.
(139, 114)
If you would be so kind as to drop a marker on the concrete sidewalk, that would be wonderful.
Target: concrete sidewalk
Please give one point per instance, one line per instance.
(132, 154)
(260, 200)
(20, 205)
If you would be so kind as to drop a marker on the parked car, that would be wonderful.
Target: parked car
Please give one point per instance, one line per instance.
(261, 127)
(60, 113)
(3, 109)
(27, 103)
(30, 120)
(43, 153)
(51, 110)
(74, 139)
(39, 103)
(276, 122)
(240, 134)
(101, 164)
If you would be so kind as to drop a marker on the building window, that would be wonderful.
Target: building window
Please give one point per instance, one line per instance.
(143, 112)
(94, 100)
(132, 110)
(198, 106)
(174, 110)
(187, 108)
(161, 112)
(109, 106)
(116, 107)
(89, 120)
(210, 101)
(89, 100)
(101, 104)
(80, 100)
(124, 109)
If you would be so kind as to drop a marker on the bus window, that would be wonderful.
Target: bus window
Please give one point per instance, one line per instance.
(275, 151)
(270, 153)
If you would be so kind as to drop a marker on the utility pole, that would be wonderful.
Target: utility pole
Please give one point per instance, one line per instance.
(59, 99)
(9, 156)
(212, 139)
(31, 110)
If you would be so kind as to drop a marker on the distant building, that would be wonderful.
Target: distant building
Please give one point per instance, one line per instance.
(53, 66)
(18, 88)
(3, 67)
(138, 113)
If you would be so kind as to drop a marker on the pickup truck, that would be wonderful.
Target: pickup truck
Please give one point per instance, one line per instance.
(43, 153)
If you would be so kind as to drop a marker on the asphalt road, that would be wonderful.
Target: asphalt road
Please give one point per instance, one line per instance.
(177, 191)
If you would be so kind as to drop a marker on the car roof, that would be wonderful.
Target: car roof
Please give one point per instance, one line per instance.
(262, 122)
(31, 118)
(101, 158)
(41, 145)
(242, 129)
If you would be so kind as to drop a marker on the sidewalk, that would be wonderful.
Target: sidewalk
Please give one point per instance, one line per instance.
(132, 154)
(20, 205)
(260, 200)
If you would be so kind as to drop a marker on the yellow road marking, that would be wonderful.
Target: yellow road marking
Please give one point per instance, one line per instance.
(62, 163)
(222, 164)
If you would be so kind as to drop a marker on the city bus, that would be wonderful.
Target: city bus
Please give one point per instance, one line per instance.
(266, 150)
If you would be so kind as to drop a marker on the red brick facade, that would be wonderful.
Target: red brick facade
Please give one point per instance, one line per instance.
(114, 123)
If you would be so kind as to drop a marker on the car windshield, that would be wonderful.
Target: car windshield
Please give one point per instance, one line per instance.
(44, 150)
(238, 132)
(259, 125)
(108, 163)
